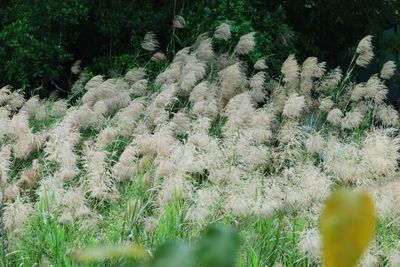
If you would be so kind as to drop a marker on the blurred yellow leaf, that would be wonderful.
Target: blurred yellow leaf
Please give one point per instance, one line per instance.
(347, 223)
(110, 252)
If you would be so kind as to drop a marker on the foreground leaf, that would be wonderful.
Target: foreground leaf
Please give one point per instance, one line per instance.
(173, 254)
(219, 247)
(347, 223)
(110, 252)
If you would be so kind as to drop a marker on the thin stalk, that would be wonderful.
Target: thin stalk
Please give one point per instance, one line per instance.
(173, 31)
(349, 71)
(2, 229)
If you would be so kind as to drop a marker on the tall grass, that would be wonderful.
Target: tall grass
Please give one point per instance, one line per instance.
(151, 156)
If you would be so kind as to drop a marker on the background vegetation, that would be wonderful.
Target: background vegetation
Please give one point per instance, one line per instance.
(226, 157)
(40, 39)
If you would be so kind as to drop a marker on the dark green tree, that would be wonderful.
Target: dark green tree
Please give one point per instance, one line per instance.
(34, 36)
(40, 39)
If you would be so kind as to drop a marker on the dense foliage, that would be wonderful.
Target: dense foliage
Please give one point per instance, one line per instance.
(40, 39)
(140, 159)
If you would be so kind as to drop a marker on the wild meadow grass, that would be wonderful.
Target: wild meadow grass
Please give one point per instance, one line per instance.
(166, 150)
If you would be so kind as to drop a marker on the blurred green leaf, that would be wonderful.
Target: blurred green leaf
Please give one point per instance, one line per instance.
(110, 252)
(174, 254)
(219, 247)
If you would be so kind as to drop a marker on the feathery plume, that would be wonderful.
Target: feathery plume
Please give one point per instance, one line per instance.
(352, 120)
(294, 106)
(394, 257)
(335, 116)
(43, 112)
(381, 153)
(139, 88)
(375, 89)
(4, 113)
(150, 42)
(135, 74)
(291, 72)
(239, 205)
(231, 79)
(27, 142)
(179, 22)
(192, 72)
(4, 128)
(79, 84)
(181, 122)
(150, 224)
(207, 108)
(246, 44)
(370, 259)
(204, 50)
(15, 100)
(99, 184)
(158, 57)
(224, 60)
(81, 117)
(205, 200)
(345, 161)
(126, 164)
(310, 243)
(5, 163)
(94, 83)
(60, 148)
(279, 98)
(239, 111)
(106, 136)
(326, 104)
(330, 81)
(257, 81)
(127, 118)
(181, 55)
(111, 95)
(60, 107)
(315, 143)
(200, 92)
(73, 206)
(257, 87)
(29, 176)
(306, 184)
(76, 67)
(388, 70)
(388, 115)
(165, 97)
(5, 93)
(309, 70)
(223, 32)
(365, 52)
(359, 92)
(172, 187)
(260, 64)
(258, 95)
(170, 75)
(11, 192)
(31, 106)
(16, 213)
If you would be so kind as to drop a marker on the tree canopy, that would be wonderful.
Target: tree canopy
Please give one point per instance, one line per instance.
(40, 39)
